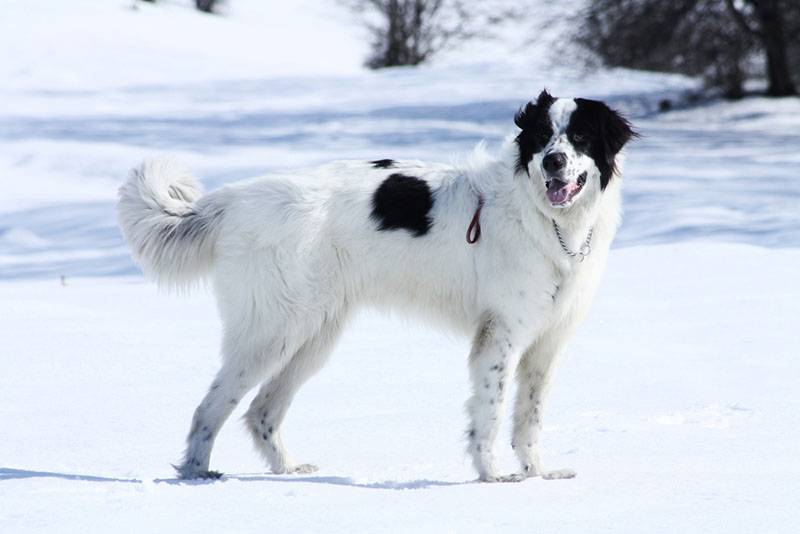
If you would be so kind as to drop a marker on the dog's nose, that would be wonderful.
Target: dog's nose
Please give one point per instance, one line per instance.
(554, 162)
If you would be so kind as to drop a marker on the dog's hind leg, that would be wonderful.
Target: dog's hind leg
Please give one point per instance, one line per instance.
(243, 368)
(268, 409)
(533, 377)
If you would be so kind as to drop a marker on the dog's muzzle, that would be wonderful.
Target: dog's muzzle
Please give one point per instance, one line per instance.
(560, 192)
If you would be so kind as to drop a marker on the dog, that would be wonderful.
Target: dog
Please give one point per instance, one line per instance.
(507, 247)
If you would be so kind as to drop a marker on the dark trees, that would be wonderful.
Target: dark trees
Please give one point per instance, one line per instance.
(715, 39)
(408, 32)
(770, 31)
(206, 6)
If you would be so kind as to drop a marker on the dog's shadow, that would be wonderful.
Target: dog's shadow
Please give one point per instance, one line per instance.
(330, 480)
(7, 473)
(347, 481)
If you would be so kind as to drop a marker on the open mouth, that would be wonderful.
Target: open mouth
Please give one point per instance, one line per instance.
(560, 193)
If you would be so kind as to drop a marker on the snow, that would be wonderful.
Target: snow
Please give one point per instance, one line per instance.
(676, 403)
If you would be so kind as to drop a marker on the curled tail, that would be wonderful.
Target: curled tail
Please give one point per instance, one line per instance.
(171, 232)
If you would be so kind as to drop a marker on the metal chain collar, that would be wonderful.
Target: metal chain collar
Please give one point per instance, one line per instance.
(585, 249)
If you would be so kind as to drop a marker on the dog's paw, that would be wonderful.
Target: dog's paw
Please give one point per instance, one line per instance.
(299, 469)
(513, 477)
(303, 469)
(558, 474)
(210, 475)
(531, 471)
(187, 472)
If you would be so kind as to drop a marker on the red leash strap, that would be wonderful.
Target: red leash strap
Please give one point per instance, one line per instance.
(474, 230)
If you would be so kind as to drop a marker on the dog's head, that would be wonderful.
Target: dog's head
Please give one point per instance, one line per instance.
(569, 147)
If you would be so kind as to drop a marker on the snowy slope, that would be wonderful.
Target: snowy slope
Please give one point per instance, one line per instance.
(53, 45)
(676, 403)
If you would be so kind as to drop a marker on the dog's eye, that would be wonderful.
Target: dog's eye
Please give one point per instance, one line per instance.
(578, 138)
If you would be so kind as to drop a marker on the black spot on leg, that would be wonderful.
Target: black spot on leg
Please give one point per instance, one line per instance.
(205, 429)
(269, 430)
(264, 436)
(207, 437)
(382, 163)
(471, 433)
(234, 402)
(403, 203)
(555, 292)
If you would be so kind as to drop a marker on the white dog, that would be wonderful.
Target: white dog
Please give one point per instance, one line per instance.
(509, 249)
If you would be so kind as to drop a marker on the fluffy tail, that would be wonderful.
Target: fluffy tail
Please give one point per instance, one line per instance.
(170, 230)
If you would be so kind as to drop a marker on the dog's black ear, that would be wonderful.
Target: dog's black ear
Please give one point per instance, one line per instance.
(526, 116)
(617, 131)
(545, 99)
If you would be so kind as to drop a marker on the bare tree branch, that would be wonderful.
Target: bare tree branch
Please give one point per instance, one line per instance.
(741, 20)
(411, 31)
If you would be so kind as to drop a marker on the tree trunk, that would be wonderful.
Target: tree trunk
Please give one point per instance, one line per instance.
(734, 84)
(393, 47)
(774, 40)
(206, 6)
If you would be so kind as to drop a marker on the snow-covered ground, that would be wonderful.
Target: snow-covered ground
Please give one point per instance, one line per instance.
(677, 402)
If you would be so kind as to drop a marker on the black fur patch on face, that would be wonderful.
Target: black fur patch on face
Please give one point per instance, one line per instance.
(534, 121)
(403, 202)
(382, 163)
(599, 132)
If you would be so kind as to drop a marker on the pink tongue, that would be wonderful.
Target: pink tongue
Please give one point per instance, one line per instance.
(559, 192)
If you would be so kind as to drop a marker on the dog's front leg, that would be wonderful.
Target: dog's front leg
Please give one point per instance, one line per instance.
(490, 360)
(534, 372)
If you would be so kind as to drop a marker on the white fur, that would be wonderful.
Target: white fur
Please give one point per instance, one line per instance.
(291, 257)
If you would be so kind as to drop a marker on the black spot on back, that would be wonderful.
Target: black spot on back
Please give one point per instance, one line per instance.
(534, 121)
(403, 202)
(383, 163)
(599, 132)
